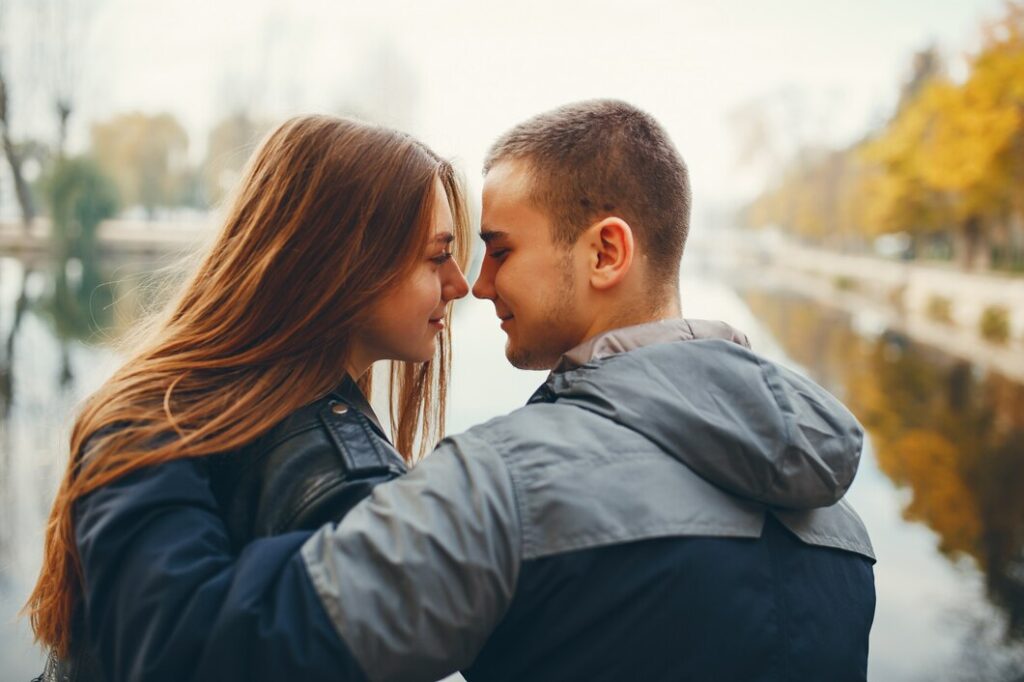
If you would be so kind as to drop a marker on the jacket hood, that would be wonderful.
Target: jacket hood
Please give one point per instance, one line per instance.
(748, 425)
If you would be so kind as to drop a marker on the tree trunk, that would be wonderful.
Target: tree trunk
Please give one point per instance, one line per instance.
(63, 114)
(975, 252)
(21, 189)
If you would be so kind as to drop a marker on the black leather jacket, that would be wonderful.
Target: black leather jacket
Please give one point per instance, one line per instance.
(309, 469)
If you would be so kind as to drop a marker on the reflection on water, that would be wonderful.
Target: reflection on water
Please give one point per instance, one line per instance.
(951, 437)
(52, 317)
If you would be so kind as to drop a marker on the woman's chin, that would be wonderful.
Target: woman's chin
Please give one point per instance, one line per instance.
(419, 355)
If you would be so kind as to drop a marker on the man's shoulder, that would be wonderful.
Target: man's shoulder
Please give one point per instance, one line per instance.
(539, 432)
(531, 422)
(581, 480)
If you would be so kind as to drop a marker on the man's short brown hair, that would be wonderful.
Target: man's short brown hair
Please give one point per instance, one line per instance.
(600, 158)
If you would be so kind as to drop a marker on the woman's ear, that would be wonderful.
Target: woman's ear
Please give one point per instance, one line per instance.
(611, 252)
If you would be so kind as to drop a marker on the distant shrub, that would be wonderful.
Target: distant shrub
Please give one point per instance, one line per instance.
(939, 309)
(844, 283)
(80, 197)
(994, 324)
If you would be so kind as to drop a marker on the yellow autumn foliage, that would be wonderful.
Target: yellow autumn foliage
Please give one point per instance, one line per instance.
(952, 153)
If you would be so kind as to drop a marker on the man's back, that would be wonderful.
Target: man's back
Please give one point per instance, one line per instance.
(698, 608)
(666, 510)
(634, 567)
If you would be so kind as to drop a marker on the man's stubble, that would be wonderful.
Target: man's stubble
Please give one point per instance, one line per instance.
(553, 334)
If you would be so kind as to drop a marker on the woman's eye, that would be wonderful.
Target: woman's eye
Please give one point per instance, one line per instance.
(442, 258)
(498, 254)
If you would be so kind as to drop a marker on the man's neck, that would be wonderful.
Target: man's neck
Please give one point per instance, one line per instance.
(631, 316)
(624, 339)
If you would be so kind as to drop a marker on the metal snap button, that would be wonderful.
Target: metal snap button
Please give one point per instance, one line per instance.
(339, 408)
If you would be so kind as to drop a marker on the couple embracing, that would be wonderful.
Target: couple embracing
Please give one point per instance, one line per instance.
(667, 506)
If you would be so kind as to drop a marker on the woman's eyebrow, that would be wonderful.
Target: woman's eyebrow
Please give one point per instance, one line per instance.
(444, 238)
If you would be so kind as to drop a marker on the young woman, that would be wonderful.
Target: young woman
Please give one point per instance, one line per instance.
(244, 414)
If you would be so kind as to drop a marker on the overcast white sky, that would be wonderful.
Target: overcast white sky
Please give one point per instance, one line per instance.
(457, 73)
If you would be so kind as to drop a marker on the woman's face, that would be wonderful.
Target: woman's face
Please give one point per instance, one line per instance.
(405, 322)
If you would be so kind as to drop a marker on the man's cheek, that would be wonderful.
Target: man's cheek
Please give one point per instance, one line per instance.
(505, 281)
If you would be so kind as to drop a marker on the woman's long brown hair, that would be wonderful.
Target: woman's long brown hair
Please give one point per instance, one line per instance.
(330, 215)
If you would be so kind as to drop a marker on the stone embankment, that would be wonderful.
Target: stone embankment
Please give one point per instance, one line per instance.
(115, 237)
(976, 316)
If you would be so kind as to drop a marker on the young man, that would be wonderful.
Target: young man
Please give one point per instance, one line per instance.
(667, 506)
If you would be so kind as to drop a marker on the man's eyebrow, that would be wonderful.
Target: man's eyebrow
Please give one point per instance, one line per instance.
(490, 235)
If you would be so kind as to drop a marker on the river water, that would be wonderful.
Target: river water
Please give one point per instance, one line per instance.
(939, 486)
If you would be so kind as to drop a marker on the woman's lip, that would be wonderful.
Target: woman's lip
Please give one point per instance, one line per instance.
(439, 322)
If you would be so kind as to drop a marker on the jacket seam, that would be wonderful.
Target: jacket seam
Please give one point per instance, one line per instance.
(499, 454)
(787, 414)
(849, 512)
(782, 615)
(517, 498)
(683, 530)
(329, 610)
(382, 456)
(836, 542)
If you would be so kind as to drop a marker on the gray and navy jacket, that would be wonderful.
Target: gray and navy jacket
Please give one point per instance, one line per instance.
(667, 507)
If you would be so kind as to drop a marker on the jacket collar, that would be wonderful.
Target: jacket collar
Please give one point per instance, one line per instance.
(348, 391)
(626, 339)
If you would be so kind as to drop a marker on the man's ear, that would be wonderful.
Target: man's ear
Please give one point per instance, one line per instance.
(611, 252)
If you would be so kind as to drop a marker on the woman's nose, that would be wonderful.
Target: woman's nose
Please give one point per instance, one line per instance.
(455, 285)
(483, 288)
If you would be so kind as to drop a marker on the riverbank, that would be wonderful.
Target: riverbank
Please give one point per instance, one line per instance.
(114, 237)
(978, 317)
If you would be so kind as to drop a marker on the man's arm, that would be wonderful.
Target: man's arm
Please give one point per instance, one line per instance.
(409, 585)
(417, 576)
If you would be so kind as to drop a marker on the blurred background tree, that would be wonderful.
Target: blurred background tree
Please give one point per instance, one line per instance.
(947, 168)
(79, 197)
(147, 157)
(228, 147)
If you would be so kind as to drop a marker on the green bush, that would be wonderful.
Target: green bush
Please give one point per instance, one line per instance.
(994, 324)
(939, 308)
(80, 196)
(844, 283)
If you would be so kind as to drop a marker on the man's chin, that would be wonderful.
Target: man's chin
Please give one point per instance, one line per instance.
(528, 358)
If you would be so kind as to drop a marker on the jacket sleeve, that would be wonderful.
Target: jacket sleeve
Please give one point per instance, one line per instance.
(167, 599)
(417, 576)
